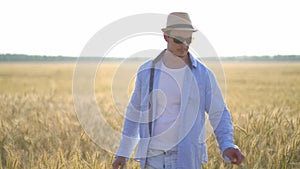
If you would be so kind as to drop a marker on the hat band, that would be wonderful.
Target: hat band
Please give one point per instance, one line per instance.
(180, 26)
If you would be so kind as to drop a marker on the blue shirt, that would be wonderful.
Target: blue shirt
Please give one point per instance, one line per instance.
(200, 94)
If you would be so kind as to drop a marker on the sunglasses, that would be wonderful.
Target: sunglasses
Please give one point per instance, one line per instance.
(180, 40)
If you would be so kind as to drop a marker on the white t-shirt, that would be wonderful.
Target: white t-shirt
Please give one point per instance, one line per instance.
(168, 108)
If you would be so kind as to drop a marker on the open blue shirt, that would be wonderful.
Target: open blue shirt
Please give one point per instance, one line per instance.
(200, 94)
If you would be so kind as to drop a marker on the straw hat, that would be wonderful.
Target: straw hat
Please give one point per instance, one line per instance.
(179, 21)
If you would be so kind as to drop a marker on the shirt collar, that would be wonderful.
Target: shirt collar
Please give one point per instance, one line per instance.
(192, 63)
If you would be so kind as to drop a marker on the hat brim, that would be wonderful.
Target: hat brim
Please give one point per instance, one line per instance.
(179, 29)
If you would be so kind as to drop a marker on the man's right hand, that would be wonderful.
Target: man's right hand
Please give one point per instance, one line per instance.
(119, 163)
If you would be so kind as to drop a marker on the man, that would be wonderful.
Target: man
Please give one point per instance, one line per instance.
(165, 117)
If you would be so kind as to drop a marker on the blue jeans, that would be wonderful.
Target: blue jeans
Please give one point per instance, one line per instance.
(158, 159)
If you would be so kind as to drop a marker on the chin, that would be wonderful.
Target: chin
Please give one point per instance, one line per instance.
(182, 54)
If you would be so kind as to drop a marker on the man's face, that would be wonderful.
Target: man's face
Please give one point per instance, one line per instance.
(179, 41)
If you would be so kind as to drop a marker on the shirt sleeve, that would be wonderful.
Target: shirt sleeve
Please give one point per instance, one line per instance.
(219, 115)
(130, 131)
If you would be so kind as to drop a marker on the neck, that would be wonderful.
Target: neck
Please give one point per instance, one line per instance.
(173, 61)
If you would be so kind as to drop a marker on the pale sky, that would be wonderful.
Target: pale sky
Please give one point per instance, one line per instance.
(233, 27)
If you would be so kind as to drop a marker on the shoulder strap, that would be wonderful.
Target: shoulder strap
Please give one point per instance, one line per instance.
(157, 59)
(150, 99)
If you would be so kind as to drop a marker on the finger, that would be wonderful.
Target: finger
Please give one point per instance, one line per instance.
(233, 160)
(116, 165)
(234, 157)
(241, 159)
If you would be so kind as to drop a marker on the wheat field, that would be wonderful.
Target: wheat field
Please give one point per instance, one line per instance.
(39, 127)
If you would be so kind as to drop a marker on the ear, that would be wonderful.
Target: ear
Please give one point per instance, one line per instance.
(166, 37)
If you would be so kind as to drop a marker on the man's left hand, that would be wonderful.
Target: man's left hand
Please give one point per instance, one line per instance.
(235, 156)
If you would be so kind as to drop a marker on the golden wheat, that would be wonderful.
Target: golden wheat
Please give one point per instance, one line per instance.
(39, 127)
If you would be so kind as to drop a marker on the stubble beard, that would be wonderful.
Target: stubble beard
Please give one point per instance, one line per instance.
(183, 51)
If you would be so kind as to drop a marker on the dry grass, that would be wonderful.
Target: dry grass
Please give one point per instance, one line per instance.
(39, 127)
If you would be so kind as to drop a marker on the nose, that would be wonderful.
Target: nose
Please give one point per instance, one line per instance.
(185, 43)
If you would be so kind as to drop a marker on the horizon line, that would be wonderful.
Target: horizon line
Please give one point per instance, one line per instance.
(118, 57)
